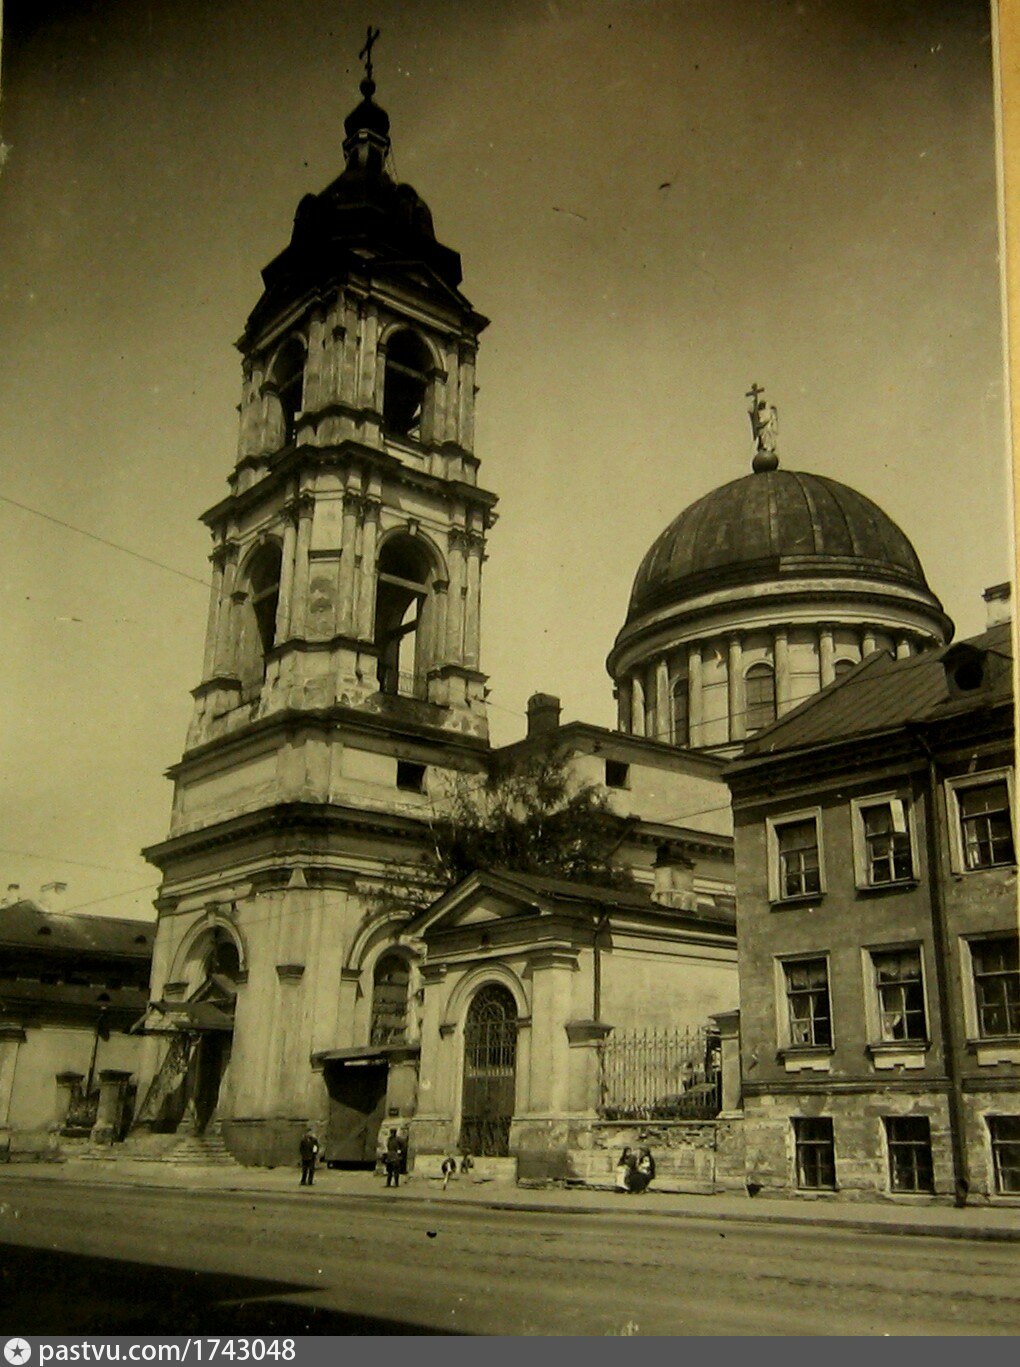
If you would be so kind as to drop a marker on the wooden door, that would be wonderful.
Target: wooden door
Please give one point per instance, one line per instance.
(357, 1104)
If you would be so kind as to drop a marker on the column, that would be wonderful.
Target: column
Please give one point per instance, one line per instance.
(209, 658)
(455, 605)
(903, 651)
(826, 656)
(695, 698)
(225, 617)
(734, 686)
(440, 607)
(316, 375)
(345, 383)
(348, 551)
(451, 405)
(623, 706)
(729, 1039)
(299, 594)
(473, 600)
(368, 355)
(868, 642)
(366, 595)
(781, 657)
(67, 1083)
(663, 719)
(466, 396)
(283, 609)
(637, 713)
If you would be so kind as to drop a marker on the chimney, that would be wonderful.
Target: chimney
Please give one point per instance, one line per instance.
(543, 714)
(998, 605)
(51, 896)
(12, 895)
(674, 881)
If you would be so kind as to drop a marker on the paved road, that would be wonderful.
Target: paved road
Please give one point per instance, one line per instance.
(144, 1261)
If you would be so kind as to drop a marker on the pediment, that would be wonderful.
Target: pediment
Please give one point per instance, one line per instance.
(473, 903)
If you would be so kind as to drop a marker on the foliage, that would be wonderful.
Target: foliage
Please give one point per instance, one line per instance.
(529, 815)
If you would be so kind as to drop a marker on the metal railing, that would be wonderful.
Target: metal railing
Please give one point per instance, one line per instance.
(660, 1075)
(402, 683)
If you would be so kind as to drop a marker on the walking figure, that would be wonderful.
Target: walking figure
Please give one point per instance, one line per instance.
(448, 1169)
(309, 1149)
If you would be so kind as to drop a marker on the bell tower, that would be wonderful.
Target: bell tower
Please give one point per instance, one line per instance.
(348, 553)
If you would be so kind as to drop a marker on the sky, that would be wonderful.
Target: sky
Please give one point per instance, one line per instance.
(657, 203)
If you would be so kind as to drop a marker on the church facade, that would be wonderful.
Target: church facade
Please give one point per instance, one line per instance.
(303, 971)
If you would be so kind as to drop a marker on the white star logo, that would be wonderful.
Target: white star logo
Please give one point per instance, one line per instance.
(18, 1351)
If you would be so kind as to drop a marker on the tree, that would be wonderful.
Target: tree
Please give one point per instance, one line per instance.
(529, 815)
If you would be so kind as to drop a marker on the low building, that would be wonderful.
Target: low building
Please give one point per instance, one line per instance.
(71, 987)
(877, 932)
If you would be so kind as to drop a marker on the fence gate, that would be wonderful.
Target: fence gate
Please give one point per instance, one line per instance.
(490, 1072)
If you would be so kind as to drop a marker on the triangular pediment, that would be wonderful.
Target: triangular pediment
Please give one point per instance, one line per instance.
(479, 900)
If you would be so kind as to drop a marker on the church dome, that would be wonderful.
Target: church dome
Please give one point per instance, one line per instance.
(772, 523)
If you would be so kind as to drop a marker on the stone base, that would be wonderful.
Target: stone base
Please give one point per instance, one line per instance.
(503, 1170)
(271, 1143)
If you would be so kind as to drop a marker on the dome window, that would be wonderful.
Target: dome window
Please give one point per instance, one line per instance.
(406, 384)
(760, 697)
(842, 667)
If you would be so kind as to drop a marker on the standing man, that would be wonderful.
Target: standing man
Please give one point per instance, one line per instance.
(393, 1158)
(309, 1153)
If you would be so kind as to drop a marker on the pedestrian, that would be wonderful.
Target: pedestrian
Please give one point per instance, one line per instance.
(309, 1149)
(448, 1169)
(643, 1172)
(625, 1165)
(393, 1158)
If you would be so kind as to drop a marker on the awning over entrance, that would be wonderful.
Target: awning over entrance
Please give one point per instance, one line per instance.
(187, 1016)
(372, 1053)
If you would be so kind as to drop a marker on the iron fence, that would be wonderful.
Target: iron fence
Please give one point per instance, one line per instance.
(82, 1110)
(660, 1075)
(403, 684)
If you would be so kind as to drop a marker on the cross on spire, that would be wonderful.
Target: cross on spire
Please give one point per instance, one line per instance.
(366, 52)
(753, 393)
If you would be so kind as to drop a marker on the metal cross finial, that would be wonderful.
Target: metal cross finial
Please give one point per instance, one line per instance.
(366, 51)
(753, 393)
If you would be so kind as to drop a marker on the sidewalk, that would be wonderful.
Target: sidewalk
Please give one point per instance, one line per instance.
(997, 1223)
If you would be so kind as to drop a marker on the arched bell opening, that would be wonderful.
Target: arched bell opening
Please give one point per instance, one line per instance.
(257, 633)
(405, 617)
(406, 384)
(286, 381)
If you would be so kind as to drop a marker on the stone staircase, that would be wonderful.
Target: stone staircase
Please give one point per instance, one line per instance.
(188, 1150)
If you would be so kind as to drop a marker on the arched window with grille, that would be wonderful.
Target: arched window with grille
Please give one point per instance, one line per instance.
(681, 713)
(406, 383)
(390, 982)
(490, 1072)
(759, 697)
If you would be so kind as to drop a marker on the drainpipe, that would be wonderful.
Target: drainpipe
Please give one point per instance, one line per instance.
(596, 990)
(940, 939)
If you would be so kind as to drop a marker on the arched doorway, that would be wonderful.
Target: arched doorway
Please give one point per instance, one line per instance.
(490, 1072)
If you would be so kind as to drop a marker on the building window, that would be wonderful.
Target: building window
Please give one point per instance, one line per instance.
(882, 844)
(909, 1141)
(681, 717)
(406, 383)
(842, 667)
(816, 1153)
(1005, 1135)
(286, 380)
(996, 968)
(796, 859)
(410, 776)
(985, 825)
(759, 697)
(617, 774)
(390, 983)
(809, 1018)
(900, 990)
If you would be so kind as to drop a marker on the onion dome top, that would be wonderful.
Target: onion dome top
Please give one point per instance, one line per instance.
(770, 523)
(367, 116)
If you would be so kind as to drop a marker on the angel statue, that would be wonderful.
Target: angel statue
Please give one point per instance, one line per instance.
(764, 424)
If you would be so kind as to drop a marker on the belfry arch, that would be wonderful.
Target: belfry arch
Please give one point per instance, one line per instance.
(406, 621)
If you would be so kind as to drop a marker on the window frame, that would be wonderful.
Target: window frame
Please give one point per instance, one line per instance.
(623, 771)
(757, 669)
(784, 1016)
(957, 845)
(859, 838)
(411, 768)
(972, 999)
(812, 1145)
(875, 1011)
(772, 828)
(995, 1147)
(919, 1170)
